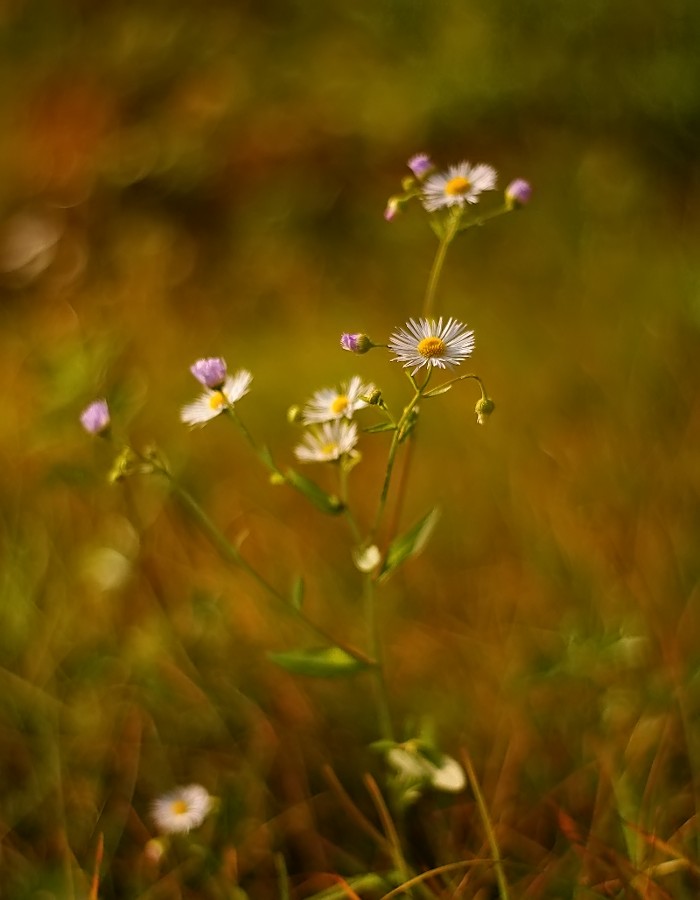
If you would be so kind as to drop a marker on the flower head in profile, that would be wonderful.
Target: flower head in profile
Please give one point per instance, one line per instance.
(327, 442)
(459, 185)
(328, 404)
(211, 372)
(214, 401)
(355, 343)
(429, 343)
(95, 417)
(181, 809)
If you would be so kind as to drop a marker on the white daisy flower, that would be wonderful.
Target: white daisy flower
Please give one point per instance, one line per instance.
(328, 404)
(214, 401)
(430, 343)
(459, 185)
(328, 442)
(181, 809)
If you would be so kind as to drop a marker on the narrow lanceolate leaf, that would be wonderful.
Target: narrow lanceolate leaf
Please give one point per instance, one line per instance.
(411, 543)
(436, 391)
(325, 502)
(297, 597)
(319, 662)
(382, 426)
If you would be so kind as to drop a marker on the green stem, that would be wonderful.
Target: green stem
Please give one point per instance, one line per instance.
(262, 453)
(230, 554)
(376, 651)
(453, 225)
(438, 262)
(395, 441)
(343, 493)
(441, 387)
(488, 828)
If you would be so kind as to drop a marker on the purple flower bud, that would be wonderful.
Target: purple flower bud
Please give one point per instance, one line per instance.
(356, 343)
(210, 372)
(420, 164)
(95, 418)
(518, 193)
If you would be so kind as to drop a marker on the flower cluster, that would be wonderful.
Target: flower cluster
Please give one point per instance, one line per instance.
(332, 434)
(457, 187)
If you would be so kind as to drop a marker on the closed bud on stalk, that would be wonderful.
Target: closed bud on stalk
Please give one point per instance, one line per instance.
(483, 409)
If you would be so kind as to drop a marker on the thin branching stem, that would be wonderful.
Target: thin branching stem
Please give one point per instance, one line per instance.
(232, 555)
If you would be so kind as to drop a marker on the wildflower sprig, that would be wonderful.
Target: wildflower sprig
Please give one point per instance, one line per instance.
(449, 198)
(335, 421)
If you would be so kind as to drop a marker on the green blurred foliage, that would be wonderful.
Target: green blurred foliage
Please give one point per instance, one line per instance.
(195, 178)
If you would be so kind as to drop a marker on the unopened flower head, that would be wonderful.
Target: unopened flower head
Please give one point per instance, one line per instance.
(518, 193)
(459, 185)
(393, 208)
(328, 442)
(355, 343)
(429, 343)
(214, 401)
(210, 372)
(483, 409)
(95, 418)
(328, 404)
(421, 165)
(181, 809)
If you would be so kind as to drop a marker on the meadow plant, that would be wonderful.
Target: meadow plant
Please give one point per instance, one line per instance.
(335, 422)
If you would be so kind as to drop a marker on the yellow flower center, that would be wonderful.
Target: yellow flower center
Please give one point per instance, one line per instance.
(431, 346)
(217, 400)
(329, 449)
(457, 186)
(340, 404)
(178, 807)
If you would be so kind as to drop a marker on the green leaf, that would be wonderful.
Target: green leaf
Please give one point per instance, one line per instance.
(381, 426)
(327, 503)
(436, 391)
(297, 597)
(319, 662)
(411, 543)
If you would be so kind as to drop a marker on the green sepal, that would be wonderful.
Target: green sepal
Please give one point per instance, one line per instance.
(327, 503)
(319, 662)
(409, 544)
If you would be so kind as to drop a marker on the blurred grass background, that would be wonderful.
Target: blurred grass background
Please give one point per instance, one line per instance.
(204, 178)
